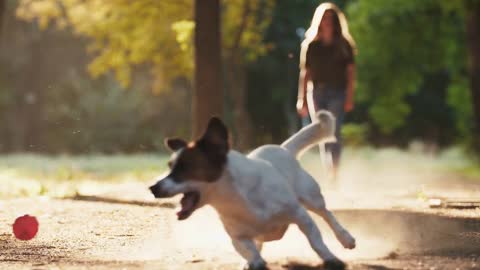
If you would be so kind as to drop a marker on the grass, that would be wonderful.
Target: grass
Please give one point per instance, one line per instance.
(413, 170)
(58, 176)
(451, 160)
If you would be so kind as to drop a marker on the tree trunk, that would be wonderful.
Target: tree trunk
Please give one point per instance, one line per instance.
(473, 45)
(3, 133)
(237, 84)
(207, 97)
(27, 115)
(3, 10)
(237, 94)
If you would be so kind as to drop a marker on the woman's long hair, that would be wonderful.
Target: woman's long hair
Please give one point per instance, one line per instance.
(312, 32)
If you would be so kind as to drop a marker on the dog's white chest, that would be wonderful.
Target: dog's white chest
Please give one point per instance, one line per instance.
(255, 200)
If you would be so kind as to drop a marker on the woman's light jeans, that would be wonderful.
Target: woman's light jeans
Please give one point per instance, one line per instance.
(331, 99)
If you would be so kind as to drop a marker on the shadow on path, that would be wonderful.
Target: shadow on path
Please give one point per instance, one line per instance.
(89, 198)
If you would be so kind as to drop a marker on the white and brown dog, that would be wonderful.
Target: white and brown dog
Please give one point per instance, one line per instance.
(256, 196)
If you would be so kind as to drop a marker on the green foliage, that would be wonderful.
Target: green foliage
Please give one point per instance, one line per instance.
(243, 26)
(411, 69)
(399, 42)
(124, 34)
(100, 116)
(91, 117)
(355, 135)
(273, 77)
(184, 32)
(410, 53)
(460, 99)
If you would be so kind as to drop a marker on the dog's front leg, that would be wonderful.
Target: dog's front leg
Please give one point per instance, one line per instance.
(309, 228)
(248, 250)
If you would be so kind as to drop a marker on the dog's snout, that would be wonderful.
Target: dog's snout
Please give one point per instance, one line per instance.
(164, 187)
(158, 191)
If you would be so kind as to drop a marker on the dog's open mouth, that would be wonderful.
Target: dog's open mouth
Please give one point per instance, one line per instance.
(189, 204)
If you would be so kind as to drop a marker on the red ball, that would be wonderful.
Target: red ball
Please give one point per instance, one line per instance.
(25, 227)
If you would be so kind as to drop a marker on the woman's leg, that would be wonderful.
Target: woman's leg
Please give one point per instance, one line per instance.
(335, 105)
(317, 100)
(332, 100)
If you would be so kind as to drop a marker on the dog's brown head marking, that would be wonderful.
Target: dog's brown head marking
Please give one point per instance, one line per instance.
(201, 160)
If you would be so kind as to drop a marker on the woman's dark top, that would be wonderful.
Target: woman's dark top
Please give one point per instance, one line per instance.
(328, 63)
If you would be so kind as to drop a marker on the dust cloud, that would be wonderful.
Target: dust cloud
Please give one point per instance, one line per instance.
(380, 198)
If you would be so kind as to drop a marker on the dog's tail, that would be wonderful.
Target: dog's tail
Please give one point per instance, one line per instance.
(321, 130)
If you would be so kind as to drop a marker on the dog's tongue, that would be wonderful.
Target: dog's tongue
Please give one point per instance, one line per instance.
(187, 203)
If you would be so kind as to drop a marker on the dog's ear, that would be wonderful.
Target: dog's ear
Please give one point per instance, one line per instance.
(216, 136)
(174, 144)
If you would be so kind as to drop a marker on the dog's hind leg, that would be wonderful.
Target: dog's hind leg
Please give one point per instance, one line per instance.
(343, 236)
(247, 248)
(311, 197)
(309, 228)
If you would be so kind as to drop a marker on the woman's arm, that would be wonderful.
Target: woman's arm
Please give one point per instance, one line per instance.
(351, 76)
(303, 80)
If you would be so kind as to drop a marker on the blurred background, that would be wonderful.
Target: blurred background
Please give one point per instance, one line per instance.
(116, 77)
(94, 76)
(89, 89)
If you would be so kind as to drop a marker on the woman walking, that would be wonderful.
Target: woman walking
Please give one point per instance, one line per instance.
(327, 72)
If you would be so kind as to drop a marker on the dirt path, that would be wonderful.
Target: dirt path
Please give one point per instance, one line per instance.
(79, 234)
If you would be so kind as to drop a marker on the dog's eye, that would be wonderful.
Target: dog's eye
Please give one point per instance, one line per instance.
(170, 163)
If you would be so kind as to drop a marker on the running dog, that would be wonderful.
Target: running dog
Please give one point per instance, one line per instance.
(257, 196)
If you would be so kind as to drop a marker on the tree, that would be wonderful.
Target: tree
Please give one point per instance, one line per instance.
(244, 42)
(472, 21)
(125, 34)
(272, 77)
(3, 6)
(403, 43)
(207, 94)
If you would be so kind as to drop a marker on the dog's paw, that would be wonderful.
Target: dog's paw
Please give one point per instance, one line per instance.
(334, 265)
(256, 266)
(347, 240)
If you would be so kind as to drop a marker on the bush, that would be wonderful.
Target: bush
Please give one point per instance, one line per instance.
(354, 134)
